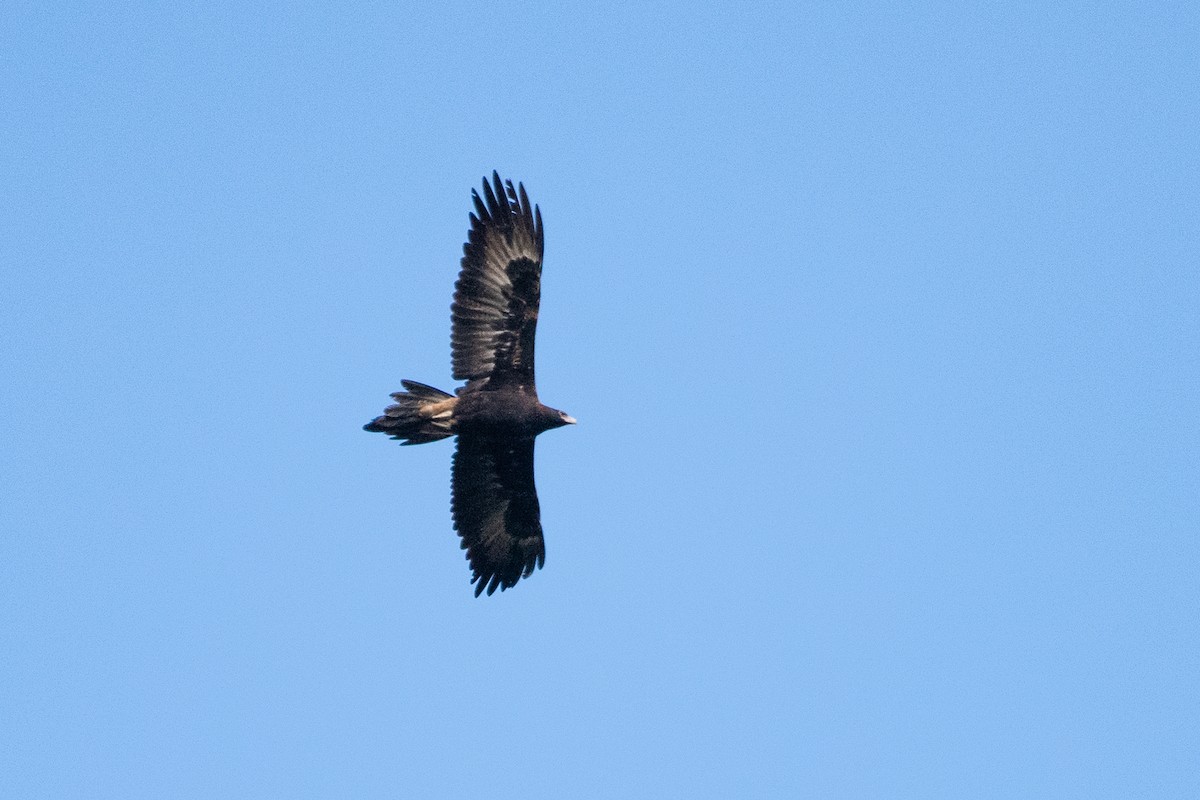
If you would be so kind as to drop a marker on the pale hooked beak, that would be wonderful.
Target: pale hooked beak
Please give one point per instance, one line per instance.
(568, 419)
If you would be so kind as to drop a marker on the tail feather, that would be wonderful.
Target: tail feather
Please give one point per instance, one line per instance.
(421, 414)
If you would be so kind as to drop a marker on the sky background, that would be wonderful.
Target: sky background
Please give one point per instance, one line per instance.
(880, 321)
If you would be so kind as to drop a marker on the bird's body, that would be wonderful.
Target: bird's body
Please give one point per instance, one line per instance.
(504, 412)
(497, 414)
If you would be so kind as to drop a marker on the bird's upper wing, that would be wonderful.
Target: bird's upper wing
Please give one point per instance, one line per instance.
(496, 510)
(495, 309)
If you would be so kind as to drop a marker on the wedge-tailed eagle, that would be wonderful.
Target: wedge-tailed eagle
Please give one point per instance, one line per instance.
(497, 414)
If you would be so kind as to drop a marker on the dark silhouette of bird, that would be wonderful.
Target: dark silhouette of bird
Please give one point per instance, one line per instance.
(496, 415)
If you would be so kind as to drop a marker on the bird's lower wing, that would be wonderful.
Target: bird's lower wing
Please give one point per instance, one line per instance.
(496, 510)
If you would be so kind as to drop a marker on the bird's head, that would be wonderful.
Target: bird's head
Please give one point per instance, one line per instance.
(553, 418)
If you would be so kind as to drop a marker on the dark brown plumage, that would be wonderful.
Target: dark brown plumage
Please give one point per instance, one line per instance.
(497, 414)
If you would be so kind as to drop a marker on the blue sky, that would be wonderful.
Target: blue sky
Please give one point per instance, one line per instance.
(880, 322)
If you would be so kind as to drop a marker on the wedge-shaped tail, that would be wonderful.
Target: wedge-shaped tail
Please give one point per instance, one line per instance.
(421, 414)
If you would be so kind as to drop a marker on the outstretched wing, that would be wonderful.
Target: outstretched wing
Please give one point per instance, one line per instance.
(496, 511)
(495, 309)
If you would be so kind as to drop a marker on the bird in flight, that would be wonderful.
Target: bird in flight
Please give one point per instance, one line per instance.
(497, 414)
